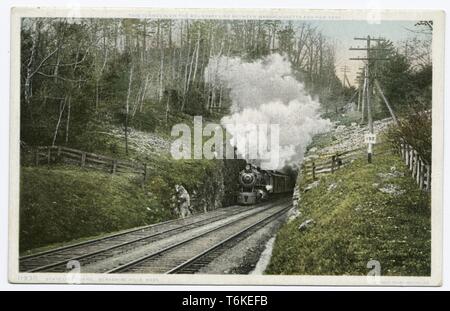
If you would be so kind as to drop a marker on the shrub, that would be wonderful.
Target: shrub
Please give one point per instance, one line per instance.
(414, 130)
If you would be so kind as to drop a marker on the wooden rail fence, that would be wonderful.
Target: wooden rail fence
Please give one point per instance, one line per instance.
(328, 163)
(54, 154)
(420, 169)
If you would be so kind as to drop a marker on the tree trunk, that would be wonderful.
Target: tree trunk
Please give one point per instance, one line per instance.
(68, 119)
(99, 76)
(144, 43)
(96, 94)
(190, 71)
(186, 70)
(220, 96)
(161, 67)
(27, 86)
(137, 100)
(61, 111)
(180, 61)
(127, 109)
(144, 93)
(208, 89)
(167, 109)
(196, 56)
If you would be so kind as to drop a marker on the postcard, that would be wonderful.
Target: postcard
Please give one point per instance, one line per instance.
(226, 147)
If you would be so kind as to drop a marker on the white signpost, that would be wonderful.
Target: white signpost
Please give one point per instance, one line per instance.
(370, 139)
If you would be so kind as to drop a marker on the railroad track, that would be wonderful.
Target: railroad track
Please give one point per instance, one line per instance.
(60, 256)
(189, 255)
(112, 245)
(194, 264)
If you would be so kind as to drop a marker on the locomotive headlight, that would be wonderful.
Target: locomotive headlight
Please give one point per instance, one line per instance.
(247, 178)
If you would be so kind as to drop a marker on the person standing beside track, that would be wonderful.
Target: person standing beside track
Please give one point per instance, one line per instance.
(183, 200)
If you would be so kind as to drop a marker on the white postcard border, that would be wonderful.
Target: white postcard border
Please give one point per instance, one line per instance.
(303, 14)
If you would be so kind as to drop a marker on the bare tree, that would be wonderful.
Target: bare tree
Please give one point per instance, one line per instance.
(127, 108)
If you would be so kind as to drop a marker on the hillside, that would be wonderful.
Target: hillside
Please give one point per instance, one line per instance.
(362, 212)
(66, 203)
(61, 203)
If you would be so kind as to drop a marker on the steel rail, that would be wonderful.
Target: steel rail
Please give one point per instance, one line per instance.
(182, 228)
(114, 235)
(222, 243)
(137, 261)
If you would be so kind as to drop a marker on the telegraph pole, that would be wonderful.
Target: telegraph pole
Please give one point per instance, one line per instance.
(345, 78)
(360, 92)
(367, 87)
(363, 95)
(369, 107)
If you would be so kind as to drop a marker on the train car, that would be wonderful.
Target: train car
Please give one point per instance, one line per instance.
(256, 185)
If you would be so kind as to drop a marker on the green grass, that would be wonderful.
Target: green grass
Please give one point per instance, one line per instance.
(65, 203)
(355, 223)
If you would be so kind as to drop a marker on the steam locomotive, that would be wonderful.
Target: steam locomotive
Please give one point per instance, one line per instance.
(256, 185)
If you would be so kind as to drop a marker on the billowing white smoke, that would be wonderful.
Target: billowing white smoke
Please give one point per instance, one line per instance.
(266, 92)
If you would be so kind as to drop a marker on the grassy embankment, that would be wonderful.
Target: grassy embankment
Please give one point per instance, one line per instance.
(63, 204)
(355, 222)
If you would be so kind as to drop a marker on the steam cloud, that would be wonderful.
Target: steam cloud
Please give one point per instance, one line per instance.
(266, 92)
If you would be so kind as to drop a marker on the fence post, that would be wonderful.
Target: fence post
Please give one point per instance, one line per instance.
(428, 177)
(114, 166)
(333, 158)
(314, 170)
(83, 159)
(58, 154)
(145, 172)
(402, 151)
(36, 156)
(422, 166)
(416, 161)
(407, 155)
(418, 172)
(49, 155)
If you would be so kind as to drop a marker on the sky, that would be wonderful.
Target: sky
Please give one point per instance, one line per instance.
(343, 32)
